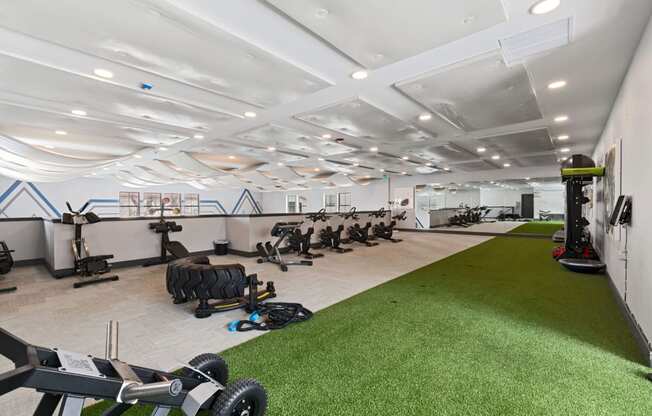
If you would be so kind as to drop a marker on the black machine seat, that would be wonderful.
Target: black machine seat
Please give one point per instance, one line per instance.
(195, 277)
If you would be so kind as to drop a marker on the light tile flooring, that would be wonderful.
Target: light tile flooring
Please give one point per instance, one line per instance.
(156, 333)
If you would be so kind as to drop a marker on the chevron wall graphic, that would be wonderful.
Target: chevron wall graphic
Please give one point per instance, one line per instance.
(18, 191)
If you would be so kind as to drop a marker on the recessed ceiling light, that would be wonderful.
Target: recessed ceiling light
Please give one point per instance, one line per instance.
(79, 112)
(381, 169)
(321, 13)
(317, 169)
(250, 114)
(403, 173)
(163, 149)
(104, 73)
(271, 149)
(61, 132)
(138, 156)
(48, 146)
(118, 164)
(367, 176)
(507, 165)
(198, 136)
(557, 85)
(563, 137)
(425, 117)
(481, 149)
(373, 149)
(447, 169)
(544, 6)
(93, 173)
(429, 164)
(495, 157)
(527, 179)
(326, 136)
(232, 157)
(356, 164)
(561, 119)
(405, 158)
(279, 164)
(360, 75)
(564, 150)
(321, 159)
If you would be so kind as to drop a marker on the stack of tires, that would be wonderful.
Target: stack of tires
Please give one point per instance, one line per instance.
(193, 278)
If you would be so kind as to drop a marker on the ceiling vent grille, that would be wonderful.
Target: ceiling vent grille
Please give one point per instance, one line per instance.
(518, 48)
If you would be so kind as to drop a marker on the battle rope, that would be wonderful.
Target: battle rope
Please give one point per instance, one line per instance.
(272, 315)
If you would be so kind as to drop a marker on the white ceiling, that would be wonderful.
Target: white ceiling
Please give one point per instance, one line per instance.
(480, 67)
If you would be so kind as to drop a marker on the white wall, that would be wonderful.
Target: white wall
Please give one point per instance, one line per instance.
(24, 200)
(630, 125)
(27, 238)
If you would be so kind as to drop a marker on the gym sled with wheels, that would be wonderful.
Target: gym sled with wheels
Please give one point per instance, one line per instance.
(67, 379)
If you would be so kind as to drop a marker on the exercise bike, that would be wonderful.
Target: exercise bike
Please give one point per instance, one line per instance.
(175, 248)
(386, 232)
(272, 253)
(332, 238)
(67, 379)
(90, 268)
(6, 263)
(357, 233)
(300, 242)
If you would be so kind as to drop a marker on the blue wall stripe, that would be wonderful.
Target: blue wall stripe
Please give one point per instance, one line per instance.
(99, 200)
(9, 191)
(214, 202)
(253, 201)
(238, 205)
(45, 199)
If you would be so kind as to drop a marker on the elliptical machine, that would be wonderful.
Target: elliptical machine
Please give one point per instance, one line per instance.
(356, 233)
(90, 268)
(6, 263)
(272, 253)
(332, 238)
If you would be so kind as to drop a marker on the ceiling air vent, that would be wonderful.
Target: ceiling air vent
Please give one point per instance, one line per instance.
(517, 49)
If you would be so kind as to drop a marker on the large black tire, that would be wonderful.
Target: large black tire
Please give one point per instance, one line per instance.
(242, 398)
(195, 278)
(212, 365)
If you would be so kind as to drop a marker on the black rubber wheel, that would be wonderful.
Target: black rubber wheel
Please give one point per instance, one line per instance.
(242, 398)
(212, 365)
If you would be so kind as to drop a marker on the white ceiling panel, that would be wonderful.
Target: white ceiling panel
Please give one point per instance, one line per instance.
(39, 84)
(362, 120)
(475, 166)
(540, 160)
(534, 141)
(376, 33)
(158, 37)
(281, 137)
(444, 153)
(481, 93)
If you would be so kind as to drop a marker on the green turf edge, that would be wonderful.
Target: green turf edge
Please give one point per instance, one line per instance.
(548, 228)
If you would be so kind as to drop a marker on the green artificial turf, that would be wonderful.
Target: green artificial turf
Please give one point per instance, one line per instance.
(499, 329)
(539, 227)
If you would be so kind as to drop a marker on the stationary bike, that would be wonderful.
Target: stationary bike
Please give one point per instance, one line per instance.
(356, 233)
(90, 268)
(300, 242)
(384, 231)
(332, 238)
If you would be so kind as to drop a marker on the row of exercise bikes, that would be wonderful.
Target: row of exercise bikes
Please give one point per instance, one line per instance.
(291, 238)
(467, 216)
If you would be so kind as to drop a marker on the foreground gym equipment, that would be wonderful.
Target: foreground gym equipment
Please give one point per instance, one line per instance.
(272, 253)
(90, 268)
(6, 263)
(68, 378)
(175, 248)
(577, 173)
(193, 278)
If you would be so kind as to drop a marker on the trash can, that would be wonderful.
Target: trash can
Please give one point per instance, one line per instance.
(221, 247)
